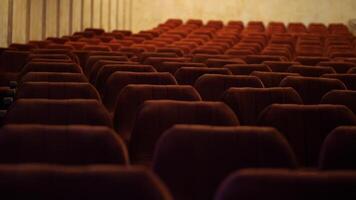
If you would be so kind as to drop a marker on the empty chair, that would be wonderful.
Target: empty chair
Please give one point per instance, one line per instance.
(156, 116)
(306, 126)
(92, 59)
(132, 96)
(188, 75)
(211, 62)
(247, 103)
(212, 86)
(66, 145)
(51, 67)
(80, 182)
(272, 79)
(310, 71)
(288, 184)
(59, 90)
(101, 63)
(312, 89)
(348, 79)
(310, 60)
(118, 80)
(279, 66)
(53, 77)
(338, 151)
(339, 67)
(193, 159)
(341, 97)
(258, 59)
(105, 72)
(246, 69)
(172, 67)
(57, 112)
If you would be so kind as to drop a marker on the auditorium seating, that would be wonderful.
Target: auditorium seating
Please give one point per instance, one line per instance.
(133, 96)
(207, 154)
(155, 116)
(194, 102)
(67, 145)
(288, 184)
(80, 182)
(212, 86)
(312, 89)
(306, 126)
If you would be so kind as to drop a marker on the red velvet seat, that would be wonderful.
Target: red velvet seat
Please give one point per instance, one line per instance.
(66, 145)
(310, 71)
(156, 116)
(212, 86)
(246, 69)
(312, 89)
(348, 79)
(193, 159)
(341, 97)
(53, 77)
(306, 126)
(288, 184)
(57, 112)
(118, 80)
(272, 79)
(188, 75)
(133, 96)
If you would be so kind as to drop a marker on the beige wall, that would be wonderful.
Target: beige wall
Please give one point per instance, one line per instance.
(23, 20)
(150, 13)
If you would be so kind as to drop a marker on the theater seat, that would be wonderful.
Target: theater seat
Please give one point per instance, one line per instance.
(188, 75)
(258, 59)
(57, 112)
(339, 67)
(193, 159)
(310, 71)
(80, 182)
(348, 79)
(339, 149)
(312, 89)
(133, 96)
(311, 60)
(279, 66)
(306, 126)
(247, 103)
(156, 116)
(50, 67)
(53, 77)
(105, 72)
(212, 86)
(172, 67)
(53, 90)
(118, 80)
(246, 69)
(272, 79)
(341, 97)
(288, 184)
(66, 145)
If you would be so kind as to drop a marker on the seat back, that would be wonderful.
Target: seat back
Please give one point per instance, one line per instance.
(57, 112)
(66, 145)
(108, 182)
(53, 90)
(288, 184)
(156, 116)
(248, 103)
(193, 159)
(306, 126)
(118, 80)
(312, 89)
(133, 96)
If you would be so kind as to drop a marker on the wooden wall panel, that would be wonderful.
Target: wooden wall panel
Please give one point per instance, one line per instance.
(19, 19)
(113, 11)
(77, 15)
(51, 18)
(96, 13)
(105, 14)
(4, 19)
(36, 19)
(64, 17)
(87, 15)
